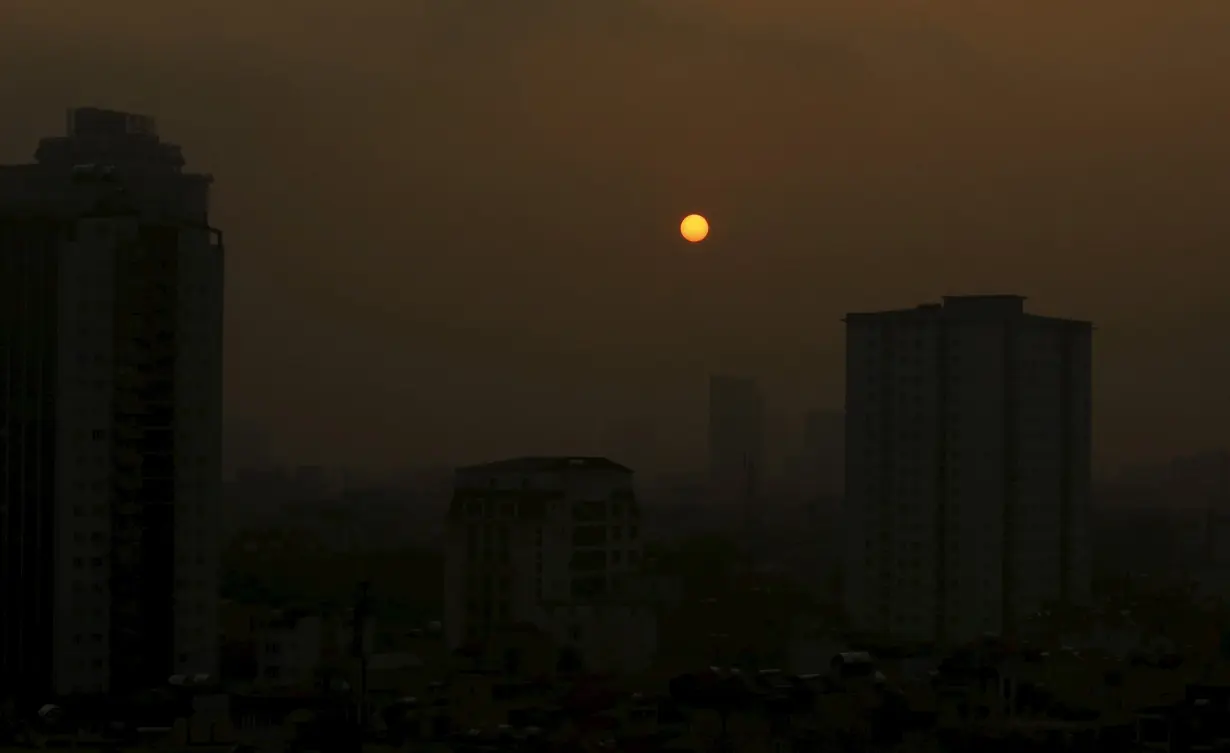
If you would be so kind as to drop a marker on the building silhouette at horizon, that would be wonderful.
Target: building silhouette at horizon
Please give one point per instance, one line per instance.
(111, 295)
(968, 428)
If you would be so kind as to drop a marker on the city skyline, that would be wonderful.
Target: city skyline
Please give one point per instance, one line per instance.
(918, 153)
(637, 375)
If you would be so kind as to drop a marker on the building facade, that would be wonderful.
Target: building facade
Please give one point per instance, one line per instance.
(968, 436)
(527, 536)
(110, 413)
(301, 650)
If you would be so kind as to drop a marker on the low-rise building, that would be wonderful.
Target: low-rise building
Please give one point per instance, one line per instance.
(553, 542)
(305, 650)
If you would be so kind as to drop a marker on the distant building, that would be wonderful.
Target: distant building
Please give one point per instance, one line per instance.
(111, 284)
(303, 650)
(736, 436)
(290, 651)
(529, 539)
(968, 467)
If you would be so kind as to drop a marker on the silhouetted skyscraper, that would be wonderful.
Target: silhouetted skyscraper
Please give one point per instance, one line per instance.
(967, 466)
(110, 443)
(736, 436)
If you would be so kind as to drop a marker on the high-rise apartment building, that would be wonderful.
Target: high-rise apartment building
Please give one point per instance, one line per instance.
(528, 537)
(736, 436)
(110, 413)
(967, 467)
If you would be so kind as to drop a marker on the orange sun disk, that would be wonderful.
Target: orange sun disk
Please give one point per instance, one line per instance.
(694, 228)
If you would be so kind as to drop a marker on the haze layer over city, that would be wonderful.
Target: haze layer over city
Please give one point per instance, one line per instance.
(548, 377)
(403, 273)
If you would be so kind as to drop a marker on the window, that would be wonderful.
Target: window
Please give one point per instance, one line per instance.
(588, 511)
(588, 560)
(593, 535)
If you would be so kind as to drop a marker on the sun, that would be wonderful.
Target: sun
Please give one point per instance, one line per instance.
(694, 228)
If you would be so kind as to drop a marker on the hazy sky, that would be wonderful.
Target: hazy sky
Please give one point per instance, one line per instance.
(451, 223)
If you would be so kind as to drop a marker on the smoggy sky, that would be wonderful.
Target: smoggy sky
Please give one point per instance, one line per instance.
(451, 224)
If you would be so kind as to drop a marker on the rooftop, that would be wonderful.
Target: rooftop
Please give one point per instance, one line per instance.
(101, 122)
(990, 307)
(96, 136)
